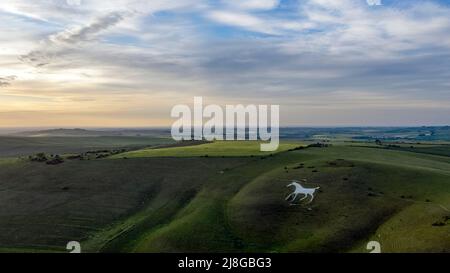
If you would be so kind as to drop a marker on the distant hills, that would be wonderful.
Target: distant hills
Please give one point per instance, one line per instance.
(77, 132)
(425, 133)
(63, 133)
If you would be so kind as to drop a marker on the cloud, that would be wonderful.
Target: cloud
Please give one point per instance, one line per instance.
(350, 27)
(257, 23)
(6, 81)
(84, 33)
(313, 54)
(243, 20)
(69, 37)
(252, 4)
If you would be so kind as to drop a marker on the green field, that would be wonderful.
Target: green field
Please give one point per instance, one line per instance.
(443, 150)
(214, 149)
(175, 199)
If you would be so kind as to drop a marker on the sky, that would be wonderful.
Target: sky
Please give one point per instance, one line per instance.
(126, 63)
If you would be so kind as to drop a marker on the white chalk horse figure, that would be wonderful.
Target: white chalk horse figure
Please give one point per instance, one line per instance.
(300, 190)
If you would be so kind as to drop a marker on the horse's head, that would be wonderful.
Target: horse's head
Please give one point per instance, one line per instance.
(296, 183)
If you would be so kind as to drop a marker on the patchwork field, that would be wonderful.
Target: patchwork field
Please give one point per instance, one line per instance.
(229, 197)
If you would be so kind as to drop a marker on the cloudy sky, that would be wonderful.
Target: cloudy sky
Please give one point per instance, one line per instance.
(127, 62)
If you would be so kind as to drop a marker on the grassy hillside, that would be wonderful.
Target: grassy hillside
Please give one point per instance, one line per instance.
(44, 207)
(175, 199)
(217, 148)
(443, 150)
(23, 146)
(357, 198)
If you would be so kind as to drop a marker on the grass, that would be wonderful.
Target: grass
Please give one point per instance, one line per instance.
(245, 210)
(256, 218)
(352, 203)
(177, 200)
(214, 149)
(442, 150)
(44, 207)
(202, 225)
(389, 157)
(24, 146)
